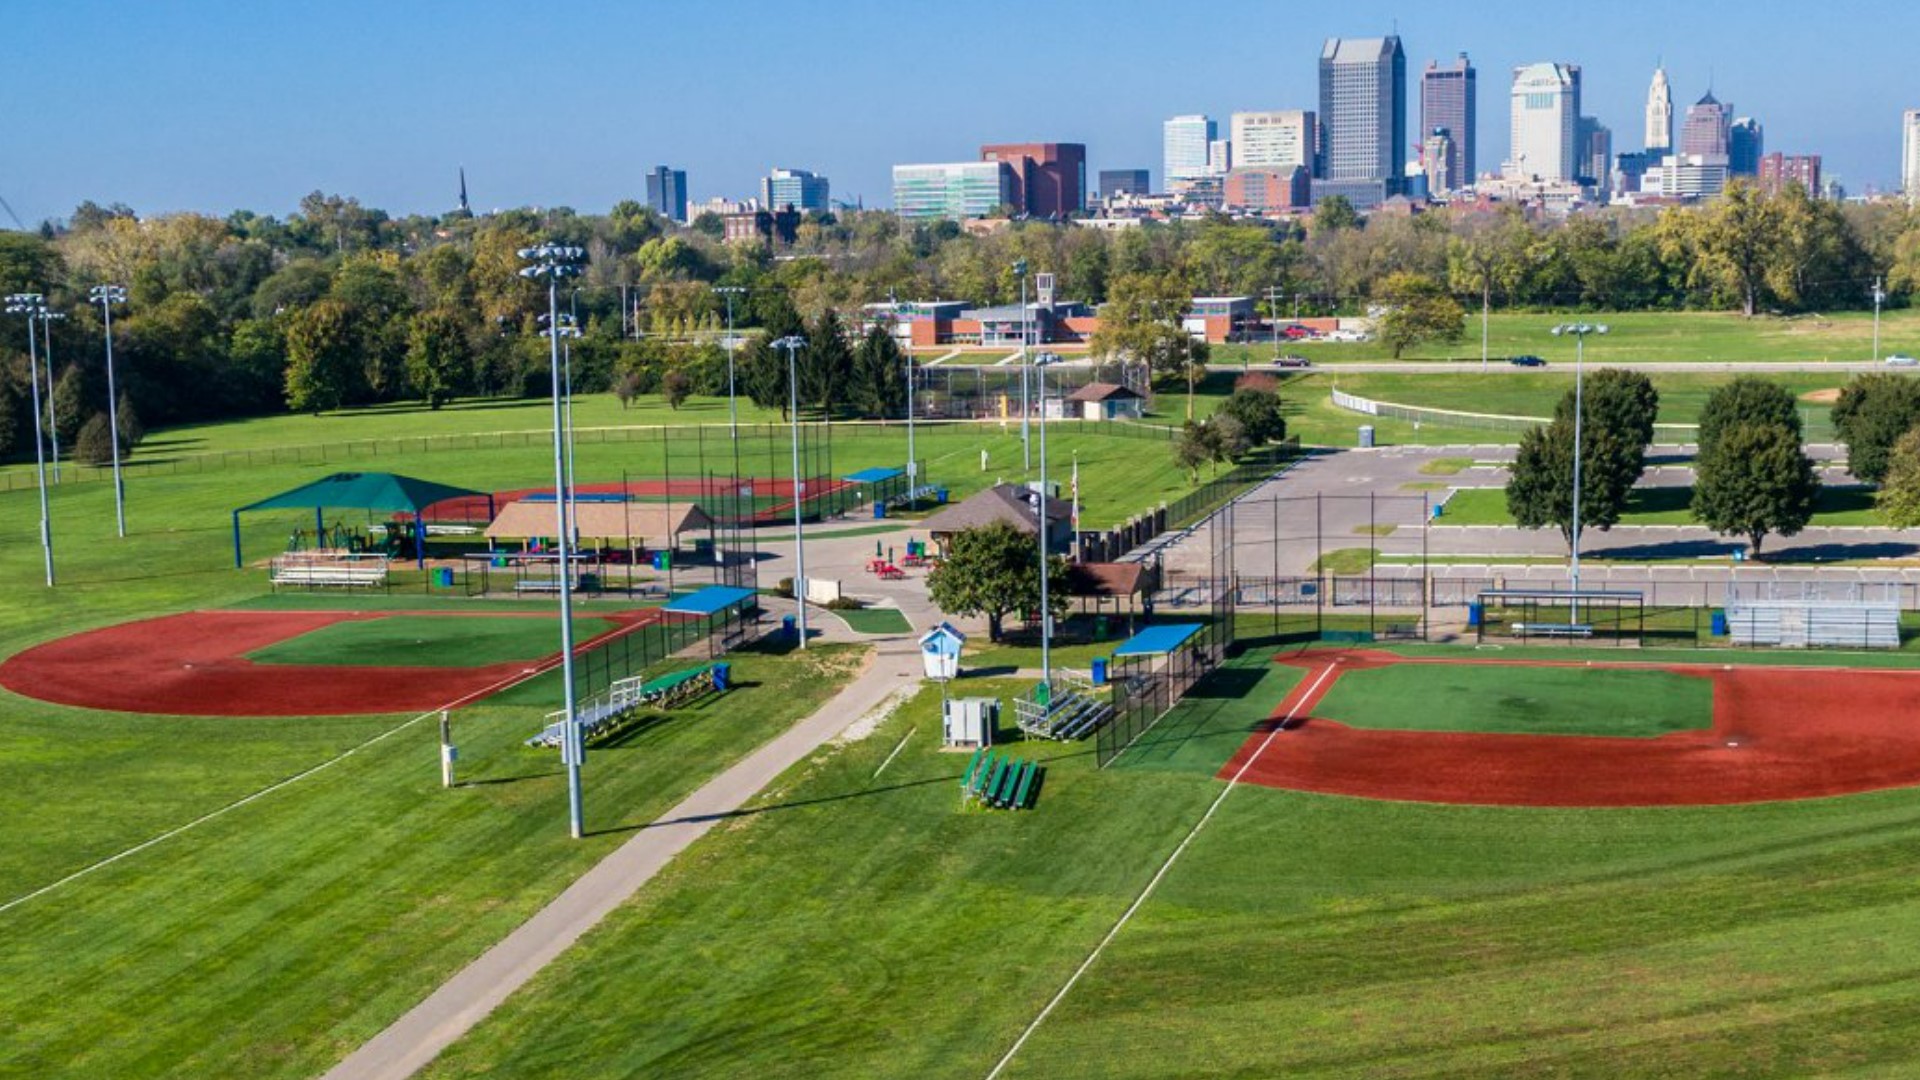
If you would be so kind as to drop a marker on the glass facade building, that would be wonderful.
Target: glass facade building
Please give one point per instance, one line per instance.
(961, 190)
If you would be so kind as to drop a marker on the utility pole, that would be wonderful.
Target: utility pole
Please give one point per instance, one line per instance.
(1879, 297)
(1273, 314)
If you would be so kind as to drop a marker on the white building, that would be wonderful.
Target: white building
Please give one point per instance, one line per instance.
(958, 191)
(1276, 139)
(1659, 115)
(1546, 121)
(1185, 141)
(1910, 155)
(1687, 176)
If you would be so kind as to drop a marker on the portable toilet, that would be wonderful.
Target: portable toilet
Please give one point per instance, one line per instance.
(940, 651)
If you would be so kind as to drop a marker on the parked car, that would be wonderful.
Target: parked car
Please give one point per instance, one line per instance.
(1291, 361)
(1526, 361)
(1348, 335)
(1902, 360)
(1296, 332)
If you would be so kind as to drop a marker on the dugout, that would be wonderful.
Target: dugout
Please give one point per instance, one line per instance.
(732, 615)
(1151, 671)
(1573, 616)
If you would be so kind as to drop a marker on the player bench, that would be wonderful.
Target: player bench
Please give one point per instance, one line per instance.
(371, 576)
(1567, 630)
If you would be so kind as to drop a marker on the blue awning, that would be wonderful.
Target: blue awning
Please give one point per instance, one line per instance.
(709, 601)
(874, 476)
(1158, 640)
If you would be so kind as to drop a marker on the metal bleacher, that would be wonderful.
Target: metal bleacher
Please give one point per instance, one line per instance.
(1068, 709)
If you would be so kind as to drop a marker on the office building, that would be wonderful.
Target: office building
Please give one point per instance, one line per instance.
(1546, 121)
(1449, 101)
(1910, 155)
(1276, 139)
(797, 188)
(1778, 171)
(1745, 147)
(1436, 162)
(1659, 116)
(1630, 169)
(1687, 176)
(1219, 157)
(957, 191)
(1049, 179)
(1267, 189)
(667, 193)
(1596, 153)
(1708, 130)
(1363, 117)
(1184, 144)
(1124, 182)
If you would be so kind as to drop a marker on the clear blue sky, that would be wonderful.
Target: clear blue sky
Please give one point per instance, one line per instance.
(215, 106)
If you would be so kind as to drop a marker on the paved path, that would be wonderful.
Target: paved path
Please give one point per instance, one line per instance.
(413, 1041)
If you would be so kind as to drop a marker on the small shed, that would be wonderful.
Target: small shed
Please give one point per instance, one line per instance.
(940, 651)
(608, 520)
(1003, 502)
(1106, 401)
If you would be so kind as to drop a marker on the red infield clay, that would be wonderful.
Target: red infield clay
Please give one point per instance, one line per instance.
(1778, 733)
(195, 664)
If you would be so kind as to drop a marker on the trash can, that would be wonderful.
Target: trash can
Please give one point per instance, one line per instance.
(788, 628)
(1437, 507)
(722, 673)
(879, 510)
(443, 577)
(940, 496)
(1099, 671)
(1366, 436)
(663, 560)
(1474, 614)
(1719, 622)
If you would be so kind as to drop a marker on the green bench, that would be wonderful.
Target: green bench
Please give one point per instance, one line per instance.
(1000, 782)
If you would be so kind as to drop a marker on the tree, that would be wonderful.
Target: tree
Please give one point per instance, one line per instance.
(1757, 481)
(993, 569)
(626, 385)
(1144, 320)
(1418, 311)
(320, 358)
(1622, 404)
(1898, 499)
(1540, 487)
(439, 358)
(675, 385)
(826, 365)
(1258, 412)
(70, 396)
(1194, 447)
(1227, 439)
(1740, 235)
(1748, 399)
(879, 383)
(94, 446)
(1873, 411)
(1334, 214)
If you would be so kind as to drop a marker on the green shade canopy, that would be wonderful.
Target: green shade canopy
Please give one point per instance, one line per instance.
(368, 490)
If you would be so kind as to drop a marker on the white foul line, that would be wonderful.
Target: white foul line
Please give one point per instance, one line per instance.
(902, 745)
(1164, 867)
(510, 681)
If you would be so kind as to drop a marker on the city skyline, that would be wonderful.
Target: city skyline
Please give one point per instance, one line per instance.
(148, 107)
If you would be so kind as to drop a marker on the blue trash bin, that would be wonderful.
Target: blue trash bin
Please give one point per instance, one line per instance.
(789, 628)
(880, 511)
(1099, 671)
(721, 674)
(443, 577)
(940, 496)
(1719, 622)
(1474, 614)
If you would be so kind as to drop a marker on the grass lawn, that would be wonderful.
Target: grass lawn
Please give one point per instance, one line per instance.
(1520, 701)
(875, 620)
(1347, 560)
(428, 641)
(868, 926)
(1659, 506)
(1445, 466)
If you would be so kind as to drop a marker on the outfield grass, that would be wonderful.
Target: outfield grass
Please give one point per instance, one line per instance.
(1833, 506)
(428, 641)
(865, 926)
(1520, 700)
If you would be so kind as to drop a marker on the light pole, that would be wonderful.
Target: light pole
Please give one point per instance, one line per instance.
(47, 318)
(569, 329)
(31, 305)
(107, 296)
(1026, 410)
(1046, 612)
(1579, 331)
(1879, 297)
(913, 470)
(793, 343)
(553, 262)
(733, 407)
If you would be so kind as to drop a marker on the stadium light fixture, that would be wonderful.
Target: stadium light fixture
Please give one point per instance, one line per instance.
(555, 262)
(31, 305)
(793, 343)
(107, 296)
(1579, 332)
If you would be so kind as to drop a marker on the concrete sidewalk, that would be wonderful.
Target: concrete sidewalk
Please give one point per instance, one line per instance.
(413, 1041)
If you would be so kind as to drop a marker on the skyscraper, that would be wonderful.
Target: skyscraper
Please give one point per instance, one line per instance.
(1049, 179)
(1708, 128)
(1546, 121)
(1274, 139)
(1184, 142)
(667, 193)
(1745, 145)
(1448, 100)
(1436, 160)
(1123, 182)
(1595, 152)
(1363, 107)
(797, 188)
(1910, 154)
(1659, 115)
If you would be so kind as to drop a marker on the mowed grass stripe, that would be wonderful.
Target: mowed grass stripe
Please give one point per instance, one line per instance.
(428, 641)
(1517, 700)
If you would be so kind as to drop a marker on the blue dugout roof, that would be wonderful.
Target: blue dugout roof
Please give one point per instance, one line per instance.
(873, 476)
(1158, 640)
(709, 601)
